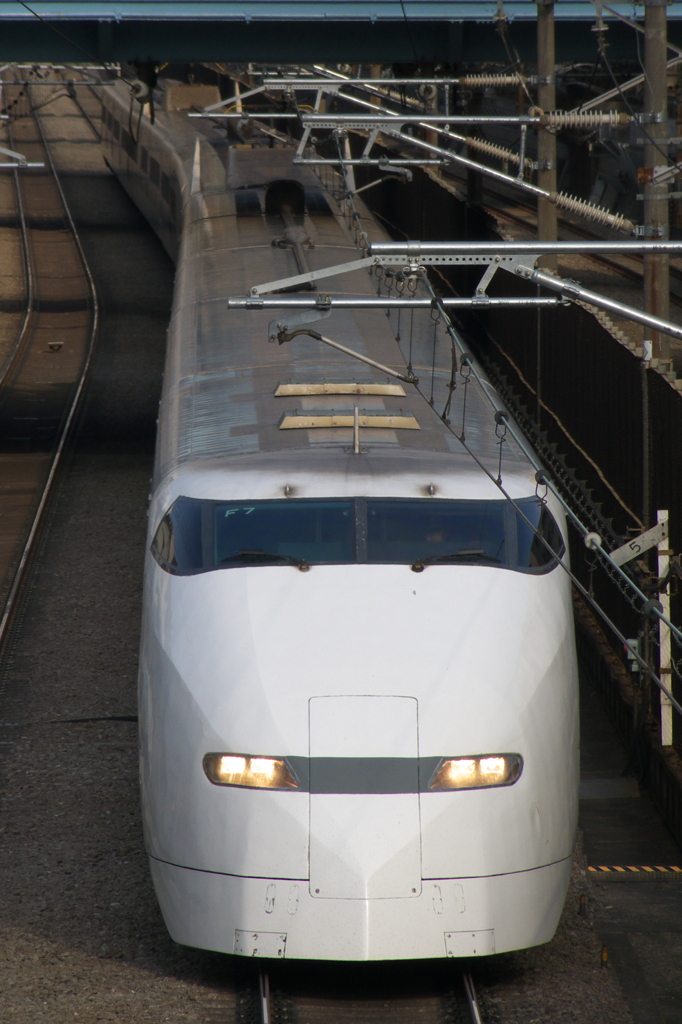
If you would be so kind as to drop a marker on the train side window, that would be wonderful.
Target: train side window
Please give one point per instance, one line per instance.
(165, 187)
(144, 160)
(173, 204)
(532, 552)
(154, 171)
(128, 144)
(177, 542)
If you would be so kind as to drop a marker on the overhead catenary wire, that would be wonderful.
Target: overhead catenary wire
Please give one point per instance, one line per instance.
(616, 221)
(651, 609)
(456, 341)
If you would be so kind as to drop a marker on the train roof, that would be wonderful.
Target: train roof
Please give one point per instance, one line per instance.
(230, 393)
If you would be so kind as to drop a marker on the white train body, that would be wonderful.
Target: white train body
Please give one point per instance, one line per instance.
(361, 680)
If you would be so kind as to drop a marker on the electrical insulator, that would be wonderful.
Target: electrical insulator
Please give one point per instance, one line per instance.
(498, 152)
(584, 119)
(489, 81)
(597, 213)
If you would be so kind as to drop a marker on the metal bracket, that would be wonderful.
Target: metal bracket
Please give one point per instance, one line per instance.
(486, 279)
(283, 336)
(544, 165)
(370, 141)
(313, 275)
(282, 325)
(19, 159)
(650, 230)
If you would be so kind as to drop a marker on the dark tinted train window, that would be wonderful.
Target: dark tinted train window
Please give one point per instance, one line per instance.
(459, 531)
(177, 542)
(127, 142)
(154, 171)
(532, 553)
(316, 203)
(165, 187)
(316, 531)
(200, 536)
(247, 203)
(144, 160)
(173, 204)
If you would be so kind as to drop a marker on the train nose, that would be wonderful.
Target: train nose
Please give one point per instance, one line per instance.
(365, 838)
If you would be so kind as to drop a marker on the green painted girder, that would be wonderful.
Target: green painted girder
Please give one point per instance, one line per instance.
(324, 11)
(291, 31)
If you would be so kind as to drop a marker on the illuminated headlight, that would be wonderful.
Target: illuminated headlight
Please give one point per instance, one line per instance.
(254, 772)
(477, 772)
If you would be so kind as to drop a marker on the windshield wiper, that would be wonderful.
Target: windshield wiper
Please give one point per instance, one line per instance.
(463, 555)
(259, 555)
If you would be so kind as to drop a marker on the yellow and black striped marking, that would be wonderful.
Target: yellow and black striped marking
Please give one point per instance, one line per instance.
(635, 872)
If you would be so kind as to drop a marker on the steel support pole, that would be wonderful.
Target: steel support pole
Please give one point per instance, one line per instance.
(664, 645)
(656, 268)
(547, 212)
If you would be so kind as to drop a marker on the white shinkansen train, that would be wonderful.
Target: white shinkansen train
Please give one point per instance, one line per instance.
(358, 684)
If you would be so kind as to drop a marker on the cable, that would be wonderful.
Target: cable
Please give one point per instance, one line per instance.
(48, 24)
(675, 632)
(409, 32)
(576, 582)
(456, 341)
(653, 142)
(515, 62)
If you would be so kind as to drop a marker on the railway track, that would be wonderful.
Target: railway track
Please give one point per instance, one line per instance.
(357, 994)
(45, 366)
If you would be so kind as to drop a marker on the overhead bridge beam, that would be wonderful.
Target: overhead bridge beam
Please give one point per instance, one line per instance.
(380, 31)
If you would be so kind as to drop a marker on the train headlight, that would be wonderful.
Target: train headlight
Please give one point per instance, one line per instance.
(477, 772)
(252, 772)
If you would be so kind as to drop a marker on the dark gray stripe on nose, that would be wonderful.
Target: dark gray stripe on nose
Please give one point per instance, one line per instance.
(364, 774)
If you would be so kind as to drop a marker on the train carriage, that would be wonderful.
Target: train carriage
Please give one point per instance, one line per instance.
(358, 686)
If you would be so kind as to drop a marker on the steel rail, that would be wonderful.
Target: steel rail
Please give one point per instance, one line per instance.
(74, 99)
(30, 543)
(472, 999)
(13, 356)
(264, 998)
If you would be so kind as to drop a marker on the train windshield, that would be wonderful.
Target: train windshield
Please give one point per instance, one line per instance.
(409, 531)
(270, 531)
(200, 536)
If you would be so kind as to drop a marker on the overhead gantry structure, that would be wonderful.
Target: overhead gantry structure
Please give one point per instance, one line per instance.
(290, 31)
